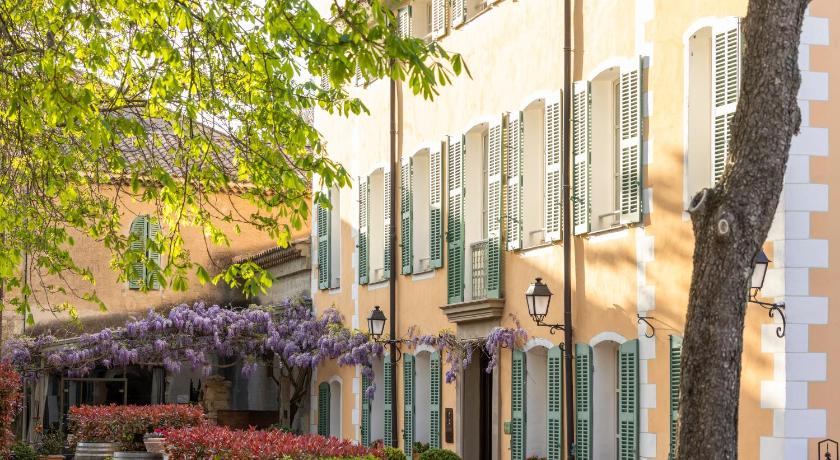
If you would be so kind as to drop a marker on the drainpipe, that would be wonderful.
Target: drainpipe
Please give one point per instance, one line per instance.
(567, 234)
(392, 279)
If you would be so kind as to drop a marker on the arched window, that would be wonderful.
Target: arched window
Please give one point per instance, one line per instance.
(335, 409)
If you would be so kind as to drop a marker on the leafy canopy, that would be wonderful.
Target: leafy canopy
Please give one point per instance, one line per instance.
(171, 105)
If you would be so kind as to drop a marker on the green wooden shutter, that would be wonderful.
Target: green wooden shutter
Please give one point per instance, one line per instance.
(554, 426)
(408, 404)
(154, 256)
(582, 147)
(139, 232)
(323, 223)
(455, 221)
(324, 409)
(434, 400)
(365, 428)
(436, 206)
(406, 218)
(518, 429)
(438, 18)
(628, 400)
(553, 209)
(514, 180)
(387, 225)
(404, 21)
(726, 85)
(675, 375)
(387, 405)
(583, 401)
(630, 144)
(494, 209)
(364, 222)
(459, 12)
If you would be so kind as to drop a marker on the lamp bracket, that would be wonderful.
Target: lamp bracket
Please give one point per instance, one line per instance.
(395, 343)
(645, 319)
(552, 327)
(772, 309)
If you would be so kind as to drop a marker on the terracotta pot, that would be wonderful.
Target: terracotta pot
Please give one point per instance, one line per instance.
(155, 445)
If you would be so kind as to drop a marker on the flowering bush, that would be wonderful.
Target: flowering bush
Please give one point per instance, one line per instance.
(10, 403)
(126, 425)
(206, 441)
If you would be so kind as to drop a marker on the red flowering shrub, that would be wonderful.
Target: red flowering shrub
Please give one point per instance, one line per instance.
(205, 442)
(127, 424)
(10, 403)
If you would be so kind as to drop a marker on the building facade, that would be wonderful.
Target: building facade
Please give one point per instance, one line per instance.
(479, 216)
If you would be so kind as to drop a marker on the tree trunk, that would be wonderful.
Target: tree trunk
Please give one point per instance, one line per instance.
(730, 223)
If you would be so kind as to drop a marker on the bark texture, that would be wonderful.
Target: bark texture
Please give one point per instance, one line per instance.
(730, 223)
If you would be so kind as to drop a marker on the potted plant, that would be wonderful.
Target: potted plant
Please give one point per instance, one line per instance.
(419, 448)
(50, 445)
(155, 441)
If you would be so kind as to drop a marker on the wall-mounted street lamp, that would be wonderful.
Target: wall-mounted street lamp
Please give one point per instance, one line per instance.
(376, 328)
(757, 282)
(538, 297)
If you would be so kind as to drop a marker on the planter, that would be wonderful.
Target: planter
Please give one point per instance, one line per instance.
(138, 455)
(155, 445)
(94, 450)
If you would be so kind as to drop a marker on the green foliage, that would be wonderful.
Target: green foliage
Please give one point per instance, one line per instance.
(23, 451)
(393, 453)
(159, 106)
(420, 447)
(51, 442)
(439, 454)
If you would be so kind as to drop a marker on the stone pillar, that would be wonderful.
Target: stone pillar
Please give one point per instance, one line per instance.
(215, 396)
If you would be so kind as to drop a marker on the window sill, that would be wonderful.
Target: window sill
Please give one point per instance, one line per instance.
(617, 228)
(379, 284)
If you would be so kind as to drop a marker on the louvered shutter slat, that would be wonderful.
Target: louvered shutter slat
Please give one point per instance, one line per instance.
(630, 155)
(364, 244)
(438, 18)
(434, 400)
(628, 400)
(435, 207)
(726, 84)
(323, 223)
(554, 426)
(406, 211)
(518, 433)
(324, 409)
(387, 404)
(139, 233)
(494, 210)
(553, 212)
(582, 147)
(583, 401)
(674, 396)
(365, 425)
(408, 404)
(459, 12)
(514, 181)
(455, 221)
(154, 256)
(387, 225)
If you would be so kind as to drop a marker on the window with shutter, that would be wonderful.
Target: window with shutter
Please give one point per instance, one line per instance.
(726, 84)
(406, 221)
(554, 426)
(630, 165)
(387, 406)
(408, 404)
(324, 250)
(514, 181)
(458, 12)
(439, 18)
(386, 264)
(434, 400)
(455, 220)
(628, 400)
(581, 145)
(698, 161)
(553, 193)
(153, 255)
(494, 209)
(139, 233)
(324, 409)
(364, 234)
(404, 21)
(583, 402)
(365, 422)
(675, 368)
(335, 237)
(435, 206)
(517, 405)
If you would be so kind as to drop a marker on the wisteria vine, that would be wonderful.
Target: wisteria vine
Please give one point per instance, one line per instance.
(193, 334)
(459, 352)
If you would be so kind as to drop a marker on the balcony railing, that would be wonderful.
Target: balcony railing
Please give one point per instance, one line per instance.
(478, 256)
